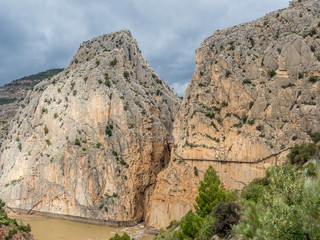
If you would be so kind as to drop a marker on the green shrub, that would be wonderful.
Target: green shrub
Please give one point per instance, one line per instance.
(255, 189)
(251, 223)
(315, 137)
(251, 121)
(107, 80)
(25, 228)
(173, 224)
(125, 236)
(108, 130)
(313, 79)
(77, 142)
(158, 92)
(312, 32)
(246, 81)
(251, 41)
(207, 230)
(113, 62)
(272, 73)
(98, 145)
(195, 170)
(46, 130)
(126, 75)
(259, 127)
(210, 115)
(122, 162)
(226, 215)
(191, 224)
(300, 75)
(300, 154)
(224, 104)
(11, 233)
(228, 73)
(310, 169)
(97, 63)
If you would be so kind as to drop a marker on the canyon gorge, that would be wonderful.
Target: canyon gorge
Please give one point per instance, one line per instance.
(108, 141)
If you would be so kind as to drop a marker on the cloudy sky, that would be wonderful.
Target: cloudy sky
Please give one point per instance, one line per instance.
(36, 35)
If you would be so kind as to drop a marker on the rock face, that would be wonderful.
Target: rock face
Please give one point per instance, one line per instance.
(90, 141)
(254, 95)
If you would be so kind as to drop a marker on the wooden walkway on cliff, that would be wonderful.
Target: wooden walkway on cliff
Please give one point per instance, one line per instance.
(232, 161)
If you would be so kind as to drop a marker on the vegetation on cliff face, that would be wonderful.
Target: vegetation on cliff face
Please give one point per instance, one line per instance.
(12, 226)
(283, 205)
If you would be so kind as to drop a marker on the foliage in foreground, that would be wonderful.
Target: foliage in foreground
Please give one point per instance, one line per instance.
(289, 208)
(215, 212)
(125, 236)
(4, 220)
(286, 203)
(283, 205)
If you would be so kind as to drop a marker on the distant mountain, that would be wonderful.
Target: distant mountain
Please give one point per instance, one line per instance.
(12, 93)
(33, 79)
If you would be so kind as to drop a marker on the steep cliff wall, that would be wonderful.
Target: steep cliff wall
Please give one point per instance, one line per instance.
(254, 95)
(90, 141)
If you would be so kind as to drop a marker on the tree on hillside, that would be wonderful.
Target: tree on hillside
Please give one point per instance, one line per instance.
(211, 193)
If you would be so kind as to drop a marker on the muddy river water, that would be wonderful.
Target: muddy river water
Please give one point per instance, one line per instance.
(55, 229)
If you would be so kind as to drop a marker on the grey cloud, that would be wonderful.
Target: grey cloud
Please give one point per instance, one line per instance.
(37, 35)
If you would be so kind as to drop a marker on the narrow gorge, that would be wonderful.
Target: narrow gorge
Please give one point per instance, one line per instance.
(107, 141)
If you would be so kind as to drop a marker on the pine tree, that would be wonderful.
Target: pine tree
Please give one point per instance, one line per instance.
(211, 193)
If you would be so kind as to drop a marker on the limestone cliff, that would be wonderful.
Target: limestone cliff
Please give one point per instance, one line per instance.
(90, 141)
(254, 95)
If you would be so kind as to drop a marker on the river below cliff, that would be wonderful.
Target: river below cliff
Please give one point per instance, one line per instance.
(56, 229)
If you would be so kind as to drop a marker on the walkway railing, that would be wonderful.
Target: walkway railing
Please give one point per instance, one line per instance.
(231, 161)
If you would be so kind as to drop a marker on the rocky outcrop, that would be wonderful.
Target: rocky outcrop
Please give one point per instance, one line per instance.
(254, 95)
(90, 141)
